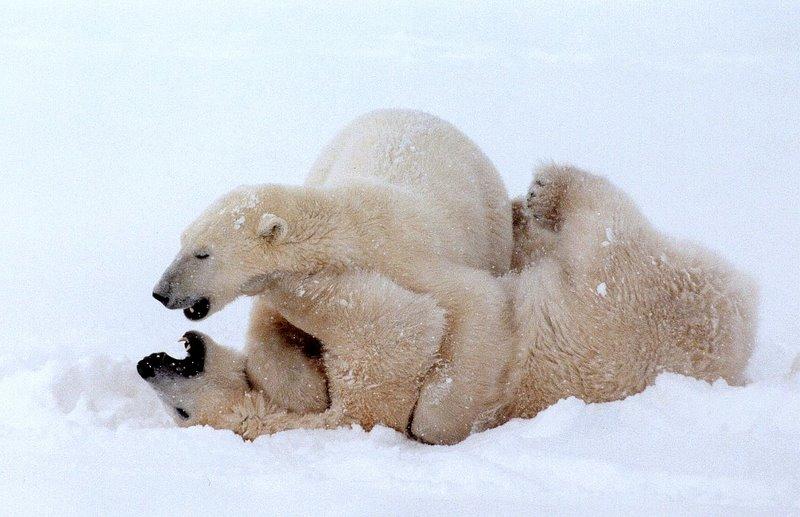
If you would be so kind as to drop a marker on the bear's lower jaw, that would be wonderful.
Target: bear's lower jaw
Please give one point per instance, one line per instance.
(198, 310)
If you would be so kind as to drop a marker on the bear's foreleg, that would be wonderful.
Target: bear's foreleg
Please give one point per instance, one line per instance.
(283, 361)
(379, 340)
(253, 416)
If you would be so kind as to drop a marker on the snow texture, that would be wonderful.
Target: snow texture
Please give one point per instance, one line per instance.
(120, 123)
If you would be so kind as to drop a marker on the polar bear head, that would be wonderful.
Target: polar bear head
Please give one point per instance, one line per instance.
(244, 239)
(196, 389)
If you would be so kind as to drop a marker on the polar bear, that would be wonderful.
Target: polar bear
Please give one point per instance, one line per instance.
(399, 194)
(600, 304)
(372, 344)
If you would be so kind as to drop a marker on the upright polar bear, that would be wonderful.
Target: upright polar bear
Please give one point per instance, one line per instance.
(400, 200)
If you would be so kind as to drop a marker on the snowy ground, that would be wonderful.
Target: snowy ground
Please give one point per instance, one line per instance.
(118, 125)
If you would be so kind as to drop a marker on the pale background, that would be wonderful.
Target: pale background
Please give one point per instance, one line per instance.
(118, 124)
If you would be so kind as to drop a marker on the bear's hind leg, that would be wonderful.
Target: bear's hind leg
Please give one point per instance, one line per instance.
(586, 214)
(532, 240)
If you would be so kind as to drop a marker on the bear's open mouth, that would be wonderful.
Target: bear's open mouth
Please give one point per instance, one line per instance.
(198, 310)
(163, 363)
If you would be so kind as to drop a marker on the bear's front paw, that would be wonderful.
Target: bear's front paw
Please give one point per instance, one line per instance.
(250, 417)
(245, 418)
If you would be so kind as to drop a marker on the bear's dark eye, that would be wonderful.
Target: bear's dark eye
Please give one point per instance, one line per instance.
(201, 256)
(182, 413)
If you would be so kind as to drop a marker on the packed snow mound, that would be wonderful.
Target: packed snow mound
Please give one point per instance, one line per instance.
(89, 433)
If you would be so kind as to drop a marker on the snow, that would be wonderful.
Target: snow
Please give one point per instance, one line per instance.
(119, 124)
(89, 437)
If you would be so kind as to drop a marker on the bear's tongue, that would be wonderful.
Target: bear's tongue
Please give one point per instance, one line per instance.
(199, 310)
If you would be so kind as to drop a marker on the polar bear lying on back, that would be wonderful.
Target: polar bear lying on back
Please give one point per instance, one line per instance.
(602, 303)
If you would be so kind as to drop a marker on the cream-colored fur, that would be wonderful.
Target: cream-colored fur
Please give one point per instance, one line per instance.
(607, 302)
(380, 341)
(399, 194)
(600, 306)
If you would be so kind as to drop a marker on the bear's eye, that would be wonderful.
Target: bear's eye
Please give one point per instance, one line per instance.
(201, 256)
(182, 412)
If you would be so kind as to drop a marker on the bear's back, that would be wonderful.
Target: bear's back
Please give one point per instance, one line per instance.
(451, 181)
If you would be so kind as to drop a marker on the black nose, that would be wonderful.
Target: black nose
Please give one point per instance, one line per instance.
(161, 298)
(145, 369)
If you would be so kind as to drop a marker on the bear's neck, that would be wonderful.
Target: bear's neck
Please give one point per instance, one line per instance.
(339, 220)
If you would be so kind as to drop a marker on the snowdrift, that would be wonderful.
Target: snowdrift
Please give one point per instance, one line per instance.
(88, 436)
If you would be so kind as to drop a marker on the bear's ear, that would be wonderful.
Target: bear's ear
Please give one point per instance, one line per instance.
(272, 227)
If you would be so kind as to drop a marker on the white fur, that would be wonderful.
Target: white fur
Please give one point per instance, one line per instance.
(598, 305)
(399, 194)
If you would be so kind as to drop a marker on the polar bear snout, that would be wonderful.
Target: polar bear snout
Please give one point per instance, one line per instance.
(196, 309)
(146, 367)
(168, 289)
(158, 365)
(178, 289)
